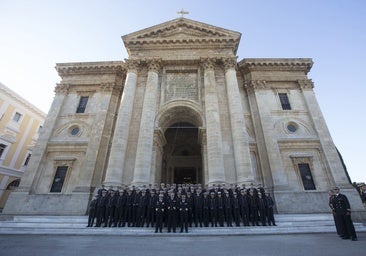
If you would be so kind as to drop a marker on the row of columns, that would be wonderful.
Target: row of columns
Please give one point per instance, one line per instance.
(212, 154)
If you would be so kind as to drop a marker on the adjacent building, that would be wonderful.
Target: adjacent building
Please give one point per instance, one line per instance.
(20, 124)
(183, 109)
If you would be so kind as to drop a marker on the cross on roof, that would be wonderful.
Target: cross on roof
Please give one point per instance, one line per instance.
(182, 12)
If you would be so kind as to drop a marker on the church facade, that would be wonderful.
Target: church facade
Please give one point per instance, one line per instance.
(183, 109)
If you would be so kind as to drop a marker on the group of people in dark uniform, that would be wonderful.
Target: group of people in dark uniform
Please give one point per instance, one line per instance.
(181, 206)
(342, 214)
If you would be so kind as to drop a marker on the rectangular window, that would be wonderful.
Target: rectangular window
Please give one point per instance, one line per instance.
(59, 179)
(17, 116)
(27, 159)
(285, 103)
(307, 178)
(2, 149)
(82, 104)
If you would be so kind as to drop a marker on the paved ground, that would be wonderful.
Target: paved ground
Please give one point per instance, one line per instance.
(166, 244)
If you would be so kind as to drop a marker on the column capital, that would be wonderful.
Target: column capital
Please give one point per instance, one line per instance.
(229, 63)
(208, 63)
(62, 88)
(132, 65)
(154, 65)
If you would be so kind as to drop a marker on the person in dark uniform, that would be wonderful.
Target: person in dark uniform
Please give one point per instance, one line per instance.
(205, 209)
(228, 209)
(120, 207)
(101, 208)
(220, 209)
(141, 209)
(151, 208)
(262, 207)
(110, 209)
(92, 211)
(332, 207)
(128, 211)
(197, 207)
(189, 199)
(172, 208)
(183, 210)
(236, 208)
(270, 214)
(159, 213)
(101, 189)
(244, 206)
(253, 208)
(212, 207)
(343, 215)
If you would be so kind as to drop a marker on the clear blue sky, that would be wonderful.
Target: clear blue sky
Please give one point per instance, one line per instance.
(35, 35)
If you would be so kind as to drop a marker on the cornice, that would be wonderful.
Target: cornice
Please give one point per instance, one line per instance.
(293, 64)
(16, 97)
(91, 68)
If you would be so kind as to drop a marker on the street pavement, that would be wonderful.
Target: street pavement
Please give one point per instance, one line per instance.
(168, 244)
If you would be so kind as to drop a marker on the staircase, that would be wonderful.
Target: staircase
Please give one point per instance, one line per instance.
(76, 225)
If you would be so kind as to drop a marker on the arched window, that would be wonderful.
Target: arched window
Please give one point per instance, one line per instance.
(13, 185)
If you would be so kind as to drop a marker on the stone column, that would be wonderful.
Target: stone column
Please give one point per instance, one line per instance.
(215, 161)
(202, 139)
(146, 135)
(238, 128)
(117, 156)
(157, 157)
(329, 150)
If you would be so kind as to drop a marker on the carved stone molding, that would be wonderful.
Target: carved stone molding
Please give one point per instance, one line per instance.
(255, 84)
(62, 88)
(249, 65)
(110, 87)
(306, 84)
(90, 68)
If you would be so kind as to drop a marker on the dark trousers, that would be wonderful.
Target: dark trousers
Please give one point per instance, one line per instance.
(92, 214)
(172, 220)
(159, 222)
(346, 225)
(184, 221)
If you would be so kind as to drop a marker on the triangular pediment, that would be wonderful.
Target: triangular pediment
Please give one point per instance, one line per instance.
(182, 31)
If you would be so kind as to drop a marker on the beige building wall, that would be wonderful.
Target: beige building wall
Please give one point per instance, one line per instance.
(20, 124)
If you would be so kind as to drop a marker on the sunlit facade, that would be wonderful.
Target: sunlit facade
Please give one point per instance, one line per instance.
(20, 124)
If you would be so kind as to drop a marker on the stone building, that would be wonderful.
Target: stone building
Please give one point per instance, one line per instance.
(182, 108)
(20, 123)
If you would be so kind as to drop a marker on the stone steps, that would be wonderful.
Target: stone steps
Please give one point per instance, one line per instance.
(76, 225)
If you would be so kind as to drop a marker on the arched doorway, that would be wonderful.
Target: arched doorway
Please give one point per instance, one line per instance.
(182, 159)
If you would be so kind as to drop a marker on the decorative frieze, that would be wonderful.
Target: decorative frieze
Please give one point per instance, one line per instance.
(256, 84)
